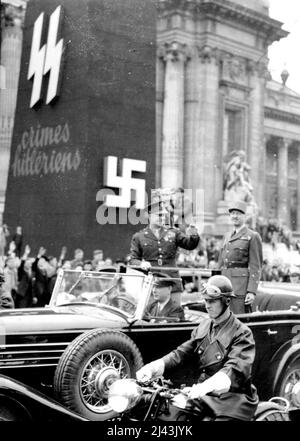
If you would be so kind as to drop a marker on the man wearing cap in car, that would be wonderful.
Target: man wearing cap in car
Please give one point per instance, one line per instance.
(156, 245)
(163, 305)
(240, 259)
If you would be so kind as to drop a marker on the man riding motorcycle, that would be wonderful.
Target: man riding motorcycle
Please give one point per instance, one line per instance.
(223, 349)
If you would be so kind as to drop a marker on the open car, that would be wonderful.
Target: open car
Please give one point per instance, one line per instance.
(64, 357)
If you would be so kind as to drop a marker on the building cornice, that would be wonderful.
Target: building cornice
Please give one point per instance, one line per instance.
(233, 85)
(225, 9)
(281, 115)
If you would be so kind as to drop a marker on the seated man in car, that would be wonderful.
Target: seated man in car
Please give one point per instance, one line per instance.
(163, 305)
(223, 350)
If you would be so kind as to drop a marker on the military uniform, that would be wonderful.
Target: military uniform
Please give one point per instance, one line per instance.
(227, 347)
(240, 260)
(161, 251)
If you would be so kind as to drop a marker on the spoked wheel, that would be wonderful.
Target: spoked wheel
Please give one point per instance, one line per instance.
(88, 367)
(98, 375)
(289, 387)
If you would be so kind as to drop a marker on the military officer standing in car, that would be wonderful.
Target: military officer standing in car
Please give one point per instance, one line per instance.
(240, 259)
(156, 245)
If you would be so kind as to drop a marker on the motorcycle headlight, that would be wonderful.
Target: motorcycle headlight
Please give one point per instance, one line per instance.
(124, 394)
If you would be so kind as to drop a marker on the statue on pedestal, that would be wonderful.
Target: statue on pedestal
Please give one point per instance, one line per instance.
(237, 185)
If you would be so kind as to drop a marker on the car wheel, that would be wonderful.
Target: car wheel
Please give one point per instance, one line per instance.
(89, 365)
(289, 386)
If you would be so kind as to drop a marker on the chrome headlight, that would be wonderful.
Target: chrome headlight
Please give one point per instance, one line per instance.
(124, 394)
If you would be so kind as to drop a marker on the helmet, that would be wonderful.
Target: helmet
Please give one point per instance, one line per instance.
(218, 287)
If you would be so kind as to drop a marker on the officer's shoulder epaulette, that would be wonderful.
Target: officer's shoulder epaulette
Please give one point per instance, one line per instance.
(138, 233)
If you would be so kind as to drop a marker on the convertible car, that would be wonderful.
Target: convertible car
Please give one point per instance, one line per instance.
(62, 359)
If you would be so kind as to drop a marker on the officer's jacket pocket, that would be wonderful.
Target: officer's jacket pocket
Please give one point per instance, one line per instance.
(214, 353)
(240, 248)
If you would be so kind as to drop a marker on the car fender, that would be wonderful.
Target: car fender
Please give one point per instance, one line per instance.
(291, 354)
(29, 399)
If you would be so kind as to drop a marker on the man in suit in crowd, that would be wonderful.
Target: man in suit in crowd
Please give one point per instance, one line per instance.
(163, 305)
(157, 244)
(240, 259)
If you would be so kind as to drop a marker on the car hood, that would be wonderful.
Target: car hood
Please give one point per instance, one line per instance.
(77, 317)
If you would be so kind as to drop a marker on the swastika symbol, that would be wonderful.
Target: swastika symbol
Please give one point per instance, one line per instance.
(125, 182)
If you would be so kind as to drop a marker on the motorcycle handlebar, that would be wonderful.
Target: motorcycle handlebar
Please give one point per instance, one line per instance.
(165, 389)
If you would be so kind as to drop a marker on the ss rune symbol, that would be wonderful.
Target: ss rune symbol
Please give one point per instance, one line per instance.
(125, 182)
(46, 58)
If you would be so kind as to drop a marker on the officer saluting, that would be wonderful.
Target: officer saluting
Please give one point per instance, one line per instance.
(156, 245)
(240, 259)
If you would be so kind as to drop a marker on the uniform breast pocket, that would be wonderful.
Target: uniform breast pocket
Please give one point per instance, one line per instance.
(169, 247)
(241, 248)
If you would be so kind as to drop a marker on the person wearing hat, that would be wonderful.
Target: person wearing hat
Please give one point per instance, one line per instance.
(157, 244)
(6, 300)
(240, 259)
(163, 304)
(223, 351)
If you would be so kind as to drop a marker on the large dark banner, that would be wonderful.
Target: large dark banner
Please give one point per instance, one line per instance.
(86, 91)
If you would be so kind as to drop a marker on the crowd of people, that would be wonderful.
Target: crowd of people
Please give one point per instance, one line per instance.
(30, 278)
(273, 232)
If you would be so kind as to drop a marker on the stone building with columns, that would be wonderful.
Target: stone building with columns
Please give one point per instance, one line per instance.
(215, 95)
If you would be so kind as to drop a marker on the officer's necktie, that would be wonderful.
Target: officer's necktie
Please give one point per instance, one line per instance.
(233, 233)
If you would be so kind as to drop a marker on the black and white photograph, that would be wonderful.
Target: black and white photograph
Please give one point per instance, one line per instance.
(150, 214)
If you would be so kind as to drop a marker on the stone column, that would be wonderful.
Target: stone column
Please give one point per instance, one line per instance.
(207, 153)
(298, 191)
(11, 47)
(173, 118)
(191, 115)
(282, 182)
(160, 81)
(263, 208)
(258, 73)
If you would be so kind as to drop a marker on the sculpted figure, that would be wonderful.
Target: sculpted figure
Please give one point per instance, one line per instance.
(237, 186)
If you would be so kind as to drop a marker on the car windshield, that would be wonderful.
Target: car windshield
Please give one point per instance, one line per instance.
(116, 290)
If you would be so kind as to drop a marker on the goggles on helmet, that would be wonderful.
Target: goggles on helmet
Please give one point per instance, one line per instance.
(214, 292)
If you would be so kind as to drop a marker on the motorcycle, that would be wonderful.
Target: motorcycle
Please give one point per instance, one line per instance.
(157, 400)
